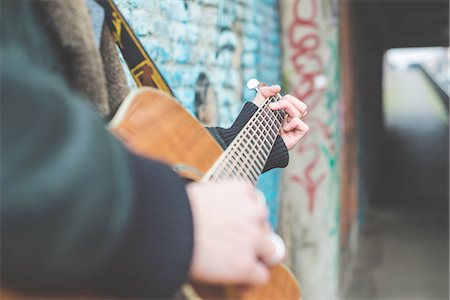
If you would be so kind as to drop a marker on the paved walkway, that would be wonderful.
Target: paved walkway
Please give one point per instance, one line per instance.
(404, 245)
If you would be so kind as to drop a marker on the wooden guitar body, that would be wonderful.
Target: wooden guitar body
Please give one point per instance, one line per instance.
(155, 125)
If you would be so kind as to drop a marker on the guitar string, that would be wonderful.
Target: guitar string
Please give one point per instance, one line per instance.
(271, 132)
(246, 167)
(229, 165)
(256, 152)
(268, 133)
(244, 144)
(253, 170)
(224, 167)
(260, 143)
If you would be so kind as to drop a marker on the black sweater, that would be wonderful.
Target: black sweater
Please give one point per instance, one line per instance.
(80, 213)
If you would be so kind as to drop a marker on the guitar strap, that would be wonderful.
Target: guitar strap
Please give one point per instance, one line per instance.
(141, 66)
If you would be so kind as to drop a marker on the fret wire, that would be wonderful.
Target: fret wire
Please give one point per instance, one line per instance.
(251, 175)
(215, 172)
(255, 152)
(224, 169)
(261, 146)
(251, 168)
(234, 164)
(224, 166)
(277, 114)
(221, 167)
(261, 163)
(264, 147)
(269, 115)
(245, 165)
(238, 141)
(271, 129)
(276, 130)
(245, 144)
(241, 142)
(274, 118)
(274, 133)
(264, 138)
(247, 170)
(262, 135)
(258, 162)
(272, 137)
(262, 126)
(280, 114)
(227, 170)
(232, 161)
(231, 149)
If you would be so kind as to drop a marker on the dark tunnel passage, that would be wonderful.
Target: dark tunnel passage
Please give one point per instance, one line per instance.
(403, 251)
(405, 241)
(414, 162)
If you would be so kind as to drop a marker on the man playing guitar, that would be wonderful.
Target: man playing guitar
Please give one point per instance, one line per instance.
(82, 214)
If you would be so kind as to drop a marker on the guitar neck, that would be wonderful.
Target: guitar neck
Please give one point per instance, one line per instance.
(246, 156)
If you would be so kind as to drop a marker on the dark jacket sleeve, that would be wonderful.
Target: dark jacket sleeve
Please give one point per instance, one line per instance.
(279, 156)
(79, 212)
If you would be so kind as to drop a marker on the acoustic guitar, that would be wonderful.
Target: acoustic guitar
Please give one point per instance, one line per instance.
(149, 117)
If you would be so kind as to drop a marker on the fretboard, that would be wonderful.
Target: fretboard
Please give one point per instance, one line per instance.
(246, 156)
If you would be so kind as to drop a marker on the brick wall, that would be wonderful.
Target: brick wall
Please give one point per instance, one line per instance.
(207, 50)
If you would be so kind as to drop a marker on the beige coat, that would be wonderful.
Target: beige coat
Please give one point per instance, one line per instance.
(94, 73)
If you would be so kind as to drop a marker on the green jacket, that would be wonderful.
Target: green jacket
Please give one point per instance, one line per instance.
(79, 213)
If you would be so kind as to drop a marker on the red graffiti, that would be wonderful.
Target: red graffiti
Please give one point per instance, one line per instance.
(314, 100)
(306, 180)
(308, 64)
(306, 60)
(315, 122)
(302, 20)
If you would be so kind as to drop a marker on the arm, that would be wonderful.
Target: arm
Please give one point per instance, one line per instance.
(79, 212)
(83, 216)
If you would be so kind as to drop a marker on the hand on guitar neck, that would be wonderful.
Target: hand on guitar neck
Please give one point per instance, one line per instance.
(293, 128)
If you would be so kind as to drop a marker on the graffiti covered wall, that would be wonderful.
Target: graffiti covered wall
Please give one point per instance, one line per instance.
(311, 182)
(207, 50)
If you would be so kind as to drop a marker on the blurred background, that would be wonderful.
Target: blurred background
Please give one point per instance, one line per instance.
(363, 205)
